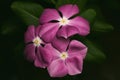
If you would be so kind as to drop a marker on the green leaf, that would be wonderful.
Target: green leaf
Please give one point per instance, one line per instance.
(94, 54)
(27, 11)
(53, 1)
(89, 14)
(101, 27)
(9, 27)
(80, 3)
(63, 2)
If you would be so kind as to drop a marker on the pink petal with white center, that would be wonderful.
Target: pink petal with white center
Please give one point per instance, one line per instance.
(81, 24)
(77, 48)
(67, 31)
(57, 68)
(69, 10)
(30, 52)
(60, 43)
(49, 15)
(74, 65)
(29, 34)
(48, 31)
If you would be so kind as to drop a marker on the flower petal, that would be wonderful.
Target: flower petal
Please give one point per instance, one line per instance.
(51, 52)
(30, 52)
(37, 30)
(49, 15)
(45, 56)
(39, 61)
(48, 31)
(69, 10)
(81, 24)
(67, 31)
(57, 68)
(29, 34)
(74, 65)
(77, 48)
(60, 43)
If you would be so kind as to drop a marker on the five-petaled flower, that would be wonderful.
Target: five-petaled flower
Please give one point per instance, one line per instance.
(67, 60)
(33, 46)
(49, 44)
(61, 22)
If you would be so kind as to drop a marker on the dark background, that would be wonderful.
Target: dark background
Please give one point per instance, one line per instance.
(13, 65)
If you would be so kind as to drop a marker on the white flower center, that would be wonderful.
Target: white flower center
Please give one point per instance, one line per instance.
(63, 55)
(63, 21)
(37, 41)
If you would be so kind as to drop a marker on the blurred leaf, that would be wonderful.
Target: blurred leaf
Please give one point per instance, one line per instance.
(94, 54)
(9, 27)
(53, 1)
(80, 3)
(97, 26)
(62, 2)
(89, 14)
(97, 9)
(50, 1)
(28, 12)
(101, 27)
(47, 3)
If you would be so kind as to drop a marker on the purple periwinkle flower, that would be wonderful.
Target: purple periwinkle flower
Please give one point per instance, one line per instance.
(34, 44)
(63, 61)
(49, 45)
(61, 23)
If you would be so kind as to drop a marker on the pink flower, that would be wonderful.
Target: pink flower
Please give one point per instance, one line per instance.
(34, 44)
(48, 45)
(66, 60)
(61, 23)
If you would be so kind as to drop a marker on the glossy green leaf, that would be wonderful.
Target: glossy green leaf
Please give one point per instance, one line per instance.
(28, 12)
(89, 14)
(101, 27)
(94, 53)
